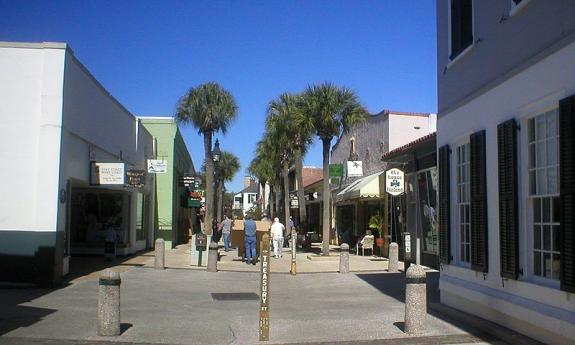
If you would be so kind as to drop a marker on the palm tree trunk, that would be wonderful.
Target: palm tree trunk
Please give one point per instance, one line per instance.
(286, 194)
(326, 196)
(220, 200)
(277, 199)
(270, 202)
(300, 191)
(209, 182)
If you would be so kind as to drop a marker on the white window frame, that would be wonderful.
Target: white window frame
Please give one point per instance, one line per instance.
(451, 62)
(517, 8)
(529, 273)
(458, 203)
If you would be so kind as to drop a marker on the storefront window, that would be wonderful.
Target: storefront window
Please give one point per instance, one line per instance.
(93, 212)
(427, 188)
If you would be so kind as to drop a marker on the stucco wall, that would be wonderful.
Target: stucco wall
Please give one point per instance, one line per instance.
(504, 45)
(530, 306)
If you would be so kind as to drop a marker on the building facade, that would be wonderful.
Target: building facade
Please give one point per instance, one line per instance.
(247, 197)
(174, 220)
(58, 200)
(358, 198)
(505, 155)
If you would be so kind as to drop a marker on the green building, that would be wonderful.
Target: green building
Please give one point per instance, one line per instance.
(173, 218)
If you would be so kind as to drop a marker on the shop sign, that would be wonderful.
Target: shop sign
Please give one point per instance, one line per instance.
(394, 181)
(136, 178)
(354, 168)
(294, 202)
(157, 166)
(191, 181)
(335, 170)
(107, 173)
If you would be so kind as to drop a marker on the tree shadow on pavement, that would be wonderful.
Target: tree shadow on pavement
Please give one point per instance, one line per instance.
(393, 284)
(13, 315)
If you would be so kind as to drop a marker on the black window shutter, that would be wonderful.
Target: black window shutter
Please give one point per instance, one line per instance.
(567, 190)
(508, 210)
(461, 26)
(444, 206)
(478, 202)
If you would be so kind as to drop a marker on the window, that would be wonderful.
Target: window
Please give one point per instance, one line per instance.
(463, 203)
(543, 148)
(461, 26)
(251, 198)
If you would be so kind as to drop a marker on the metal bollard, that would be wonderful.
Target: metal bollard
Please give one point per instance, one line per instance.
(393, 257)
(213, 257)
(344, 258)
(159, 260)
(415, 300)
(293, 270)
(109, 303)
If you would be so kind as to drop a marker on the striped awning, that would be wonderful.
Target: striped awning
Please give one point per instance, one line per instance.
(365, 187)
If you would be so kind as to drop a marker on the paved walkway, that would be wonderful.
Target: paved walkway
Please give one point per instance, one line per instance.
(183, 305)
(179, 257)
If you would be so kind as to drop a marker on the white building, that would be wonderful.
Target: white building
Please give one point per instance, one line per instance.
(506, 163)
(247, 197)
(56, 121)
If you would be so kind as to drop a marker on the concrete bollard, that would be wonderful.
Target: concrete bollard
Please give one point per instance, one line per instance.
(109, 303)
(159, 260)
(415, 300)
(344, 258)
(213, 257)
(393, 257)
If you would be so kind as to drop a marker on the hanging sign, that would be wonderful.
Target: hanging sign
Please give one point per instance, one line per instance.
(335, 170)
(354, 168)
(394, 181)
(136, 178)
(107, 173)
(157, 166)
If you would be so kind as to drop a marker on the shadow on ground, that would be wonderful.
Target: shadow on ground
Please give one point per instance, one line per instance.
(13, 315)
(393, 285)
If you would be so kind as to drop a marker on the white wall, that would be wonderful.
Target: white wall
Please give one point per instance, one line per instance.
(541, 311)
(31, 81)
(404, 129)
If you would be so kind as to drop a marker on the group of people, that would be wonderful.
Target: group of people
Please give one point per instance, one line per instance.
(277, 230)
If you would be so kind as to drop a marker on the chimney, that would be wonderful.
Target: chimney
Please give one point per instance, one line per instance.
(247, 181)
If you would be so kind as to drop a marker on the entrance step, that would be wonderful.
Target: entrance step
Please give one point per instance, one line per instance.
(318, 257)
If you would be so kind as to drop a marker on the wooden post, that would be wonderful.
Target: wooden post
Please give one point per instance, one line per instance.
(264, 330)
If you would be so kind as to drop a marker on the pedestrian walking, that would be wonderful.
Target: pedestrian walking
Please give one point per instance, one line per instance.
(277, 232)
(250, 240)
(226, 232)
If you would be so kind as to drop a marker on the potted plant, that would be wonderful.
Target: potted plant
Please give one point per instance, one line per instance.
(376, 223)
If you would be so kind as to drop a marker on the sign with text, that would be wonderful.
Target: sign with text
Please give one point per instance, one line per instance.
(107, 173)
(136, 178)
(157, 166)
(192, 181)
(354, 168)
(394, 182)
(264, 330)
(335, 170)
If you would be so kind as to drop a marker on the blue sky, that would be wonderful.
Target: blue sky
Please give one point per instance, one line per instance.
(147, 54)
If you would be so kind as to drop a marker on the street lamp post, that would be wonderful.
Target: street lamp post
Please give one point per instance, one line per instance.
(216, 154)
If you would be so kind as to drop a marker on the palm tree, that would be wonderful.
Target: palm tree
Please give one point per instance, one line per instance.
(228, 166)
(210, 109)
(287, 108)
(329, 110)
(262, 168)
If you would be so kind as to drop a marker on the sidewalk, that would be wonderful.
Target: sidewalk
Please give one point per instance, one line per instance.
(179, 257)
(184, 305)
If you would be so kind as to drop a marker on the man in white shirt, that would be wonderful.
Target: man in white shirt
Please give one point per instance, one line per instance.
(277, 232)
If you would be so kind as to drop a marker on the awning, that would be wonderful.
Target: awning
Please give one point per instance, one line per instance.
(365, 187)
